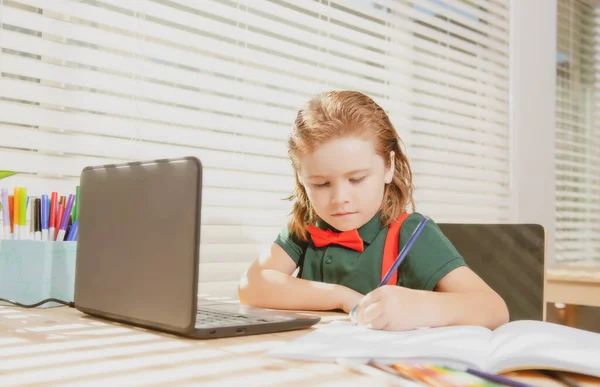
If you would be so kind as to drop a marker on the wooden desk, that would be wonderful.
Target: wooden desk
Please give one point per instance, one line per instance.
(61, 346)
(573, 286)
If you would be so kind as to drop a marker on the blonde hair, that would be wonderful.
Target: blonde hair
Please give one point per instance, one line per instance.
(336, 114)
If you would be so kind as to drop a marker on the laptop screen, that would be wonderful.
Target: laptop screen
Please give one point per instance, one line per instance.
(138, 243)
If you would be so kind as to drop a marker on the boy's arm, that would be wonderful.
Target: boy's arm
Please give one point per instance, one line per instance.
(461, 298)
(465, 299)
(269, 283)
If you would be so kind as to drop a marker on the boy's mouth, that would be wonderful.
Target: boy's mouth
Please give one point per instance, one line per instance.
(340, 214)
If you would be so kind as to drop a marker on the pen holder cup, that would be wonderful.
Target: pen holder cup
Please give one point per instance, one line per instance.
(31, 271)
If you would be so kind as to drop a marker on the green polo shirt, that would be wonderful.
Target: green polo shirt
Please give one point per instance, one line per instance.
(432, 257)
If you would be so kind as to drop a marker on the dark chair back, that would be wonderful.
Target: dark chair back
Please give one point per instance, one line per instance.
(509, 258)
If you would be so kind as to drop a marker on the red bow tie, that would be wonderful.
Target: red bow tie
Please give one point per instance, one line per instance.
(349, 239)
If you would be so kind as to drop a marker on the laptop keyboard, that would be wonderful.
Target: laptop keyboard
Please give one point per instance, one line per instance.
(207, 318)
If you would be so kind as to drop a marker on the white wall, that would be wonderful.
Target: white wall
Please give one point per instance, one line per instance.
(533, 95)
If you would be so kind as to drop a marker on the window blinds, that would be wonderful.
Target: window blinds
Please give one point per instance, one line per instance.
(99, 81)
(577, 133)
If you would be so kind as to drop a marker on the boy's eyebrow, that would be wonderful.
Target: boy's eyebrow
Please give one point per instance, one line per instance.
(357, 171)
(345, 174)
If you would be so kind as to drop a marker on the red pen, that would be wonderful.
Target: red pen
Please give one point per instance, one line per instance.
(61, 210)
(11, 211)
(52, 219)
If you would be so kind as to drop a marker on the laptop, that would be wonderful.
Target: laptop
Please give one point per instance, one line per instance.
(509, 258)
(138, 254)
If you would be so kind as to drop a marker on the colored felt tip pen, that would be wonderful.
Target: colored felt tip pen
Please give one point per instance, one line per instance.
(6, 214)
(59, 214)
(52, 216)
(23, 212)
(44, 217)
(76, 205)
(32, 220)
(16, 217)
(72, 236)
(11, 204)
(65, 218)
(37, 234)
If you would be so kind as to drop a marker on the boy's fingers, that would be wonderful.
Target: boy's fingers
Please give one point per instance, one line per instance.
(370, 313)
(364, 302)
(380, 322)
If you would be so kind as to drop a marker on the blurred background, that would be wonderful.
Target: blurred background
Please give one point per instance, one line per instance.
(496, 101)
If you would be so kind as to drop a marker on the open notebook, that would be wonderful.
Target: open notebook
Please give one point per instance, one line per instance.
(514, 346)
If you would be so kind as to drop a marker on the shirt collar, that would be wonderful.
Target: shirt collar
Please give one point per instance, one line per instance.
(367, 231)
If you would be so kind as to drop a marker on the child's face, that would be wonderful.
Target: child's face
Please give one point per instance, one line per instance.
(345, 180)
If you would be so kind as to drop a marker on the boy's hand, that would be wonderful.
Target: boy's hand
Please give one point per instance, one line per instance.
(392, 308)
(348, 298)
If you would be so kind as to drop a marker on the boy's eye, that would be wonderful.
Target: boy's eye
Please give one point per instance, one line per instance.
(357, 179)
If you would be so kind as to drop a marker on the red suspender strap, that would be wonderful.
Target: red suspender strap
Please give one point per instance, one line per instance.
(391, 248)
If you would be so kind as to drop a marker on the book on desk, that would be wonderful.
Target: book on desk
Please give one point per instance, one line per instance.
(518, 345)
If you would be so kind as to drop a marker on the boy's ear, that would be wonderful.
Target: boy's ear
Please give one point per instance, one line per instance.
(391, 168)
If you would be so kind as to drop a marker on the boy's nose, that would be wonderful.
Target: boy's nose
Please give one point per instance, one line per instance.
(340, 195)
